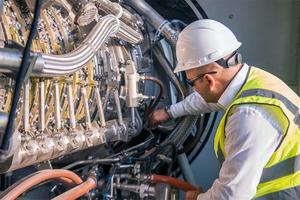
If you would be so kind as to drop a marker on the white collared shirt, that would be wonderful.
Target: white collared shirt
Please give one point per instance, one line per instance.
(252, 135)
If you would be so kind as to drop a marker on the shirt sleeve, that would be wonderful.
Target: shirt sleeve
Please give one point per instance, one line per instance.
(192, 105)
(252, 135)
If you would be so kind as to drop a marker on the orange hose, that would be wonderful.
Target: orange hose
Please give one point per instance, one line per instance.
(172, 181)
(41, 176)
(79, 190)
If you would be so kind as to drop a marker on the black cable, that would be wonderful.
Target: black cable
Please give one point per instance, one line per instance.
(20, 78)
(193, 142)
(203, 144)
(200, 9)
(154, 103)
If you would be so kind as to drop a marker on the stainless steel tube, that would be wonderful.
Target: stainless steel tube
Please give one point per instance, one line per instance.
(155, 19)
(71, 106)
(115, 9)
(76, 59)
(86, 107)
(42, 105)
(57, 115)
(118, 106)
(99, 107)
(26, 106)
(51, 65)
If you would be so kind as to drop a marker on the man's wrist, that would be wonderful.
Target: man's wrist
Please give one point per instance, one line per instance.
(168, 111)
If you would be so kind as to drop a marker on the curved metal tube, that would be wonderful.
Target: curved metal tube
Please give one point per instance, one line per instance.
(111, 7)
(156, 20)
(56, 65)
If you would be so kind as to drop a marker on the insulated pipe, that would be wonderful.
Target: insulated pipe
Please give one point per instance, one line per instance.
(73, 61)
(38, 178)
(48, 65)
(172, 181)
(116, 9)
(155, 19)
(79, 190)
(180, 133)
(69, 183)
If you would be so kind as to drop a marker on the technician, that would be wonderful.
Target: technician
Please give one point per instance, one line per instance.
(258, 138)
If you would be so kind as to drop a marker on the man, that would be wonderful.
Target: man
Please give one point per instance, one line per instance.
(258, 138)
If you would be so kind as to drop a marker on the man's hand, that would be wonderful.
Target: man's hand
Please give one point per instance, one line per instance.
(192, 195)
(157, 117)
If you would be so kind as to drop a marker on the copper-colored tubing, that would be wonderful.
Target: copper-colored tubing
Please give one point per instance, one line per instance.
(79, 190)
(65, 176)
(172, 181)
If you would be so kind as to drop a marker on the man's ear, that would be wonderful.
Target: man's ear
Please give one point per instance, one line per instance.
(210, 81)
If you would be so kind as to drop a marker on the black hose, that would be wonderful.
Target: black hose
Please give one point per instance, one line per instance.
(193, 142)
(178, 135)
(200, 9)
(20, 78)
(93, 161)
(168, 70)
(158, 98)
(203, 144)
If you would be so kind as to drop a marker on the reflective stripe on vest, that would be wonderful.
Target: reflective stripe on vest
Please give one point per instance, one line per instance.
(282, 170)
(274, 95)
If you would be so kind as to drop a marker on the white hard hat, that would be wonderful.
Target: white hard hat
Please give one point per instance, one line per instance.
(203, 42)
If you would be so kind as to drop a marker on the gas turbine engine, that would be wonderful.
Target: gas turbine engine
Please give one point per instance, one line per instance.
(89, 89)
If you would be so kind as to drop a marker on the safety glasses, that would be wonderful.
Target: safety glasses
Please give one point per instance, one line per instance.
(199, 77)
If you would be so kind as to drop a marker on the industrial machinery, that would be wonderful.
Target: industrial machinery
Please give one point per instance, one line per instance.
(74, 106)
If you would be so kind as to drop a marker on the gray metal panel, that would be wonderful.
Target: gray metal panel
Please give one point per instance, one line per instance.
(268, 29)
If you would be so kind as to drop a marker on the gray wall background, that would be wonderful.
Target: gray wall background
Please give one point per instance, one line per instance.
(270, 33)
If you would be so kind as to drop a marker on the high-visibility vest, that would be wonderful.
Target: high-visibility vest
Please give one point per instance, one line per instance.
(282, 172)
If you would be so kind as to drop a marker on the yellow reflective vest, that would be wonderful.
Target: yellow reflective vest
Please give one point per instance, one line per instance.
(282, 172)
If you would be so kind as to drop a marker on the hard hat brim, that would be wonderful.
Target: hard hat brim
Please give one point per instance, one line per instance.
(180, 67)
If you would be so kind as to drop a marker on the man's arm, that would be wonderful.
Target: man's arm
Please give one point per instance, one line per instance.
(251, 138)
(191, 105)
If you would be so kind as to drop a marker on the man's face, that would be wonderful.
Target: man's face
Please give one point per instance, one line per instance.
(203, 82)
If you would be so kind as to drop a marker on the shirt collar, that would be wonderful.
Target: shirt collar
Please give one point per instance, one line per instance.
(234, 87)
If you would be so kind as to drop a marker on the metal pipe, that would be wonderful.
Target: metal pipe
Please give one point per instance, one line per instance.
(115, 9)
(41, 105)
(71, 106)
(57, 114)
(48, 65)
(99, 106)
(186, 168)
(94, 161)
(76, 59)
(156, 20)
(118, 106)
(10, 60)
(132, 109)
(26, 106)
(86, 107)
